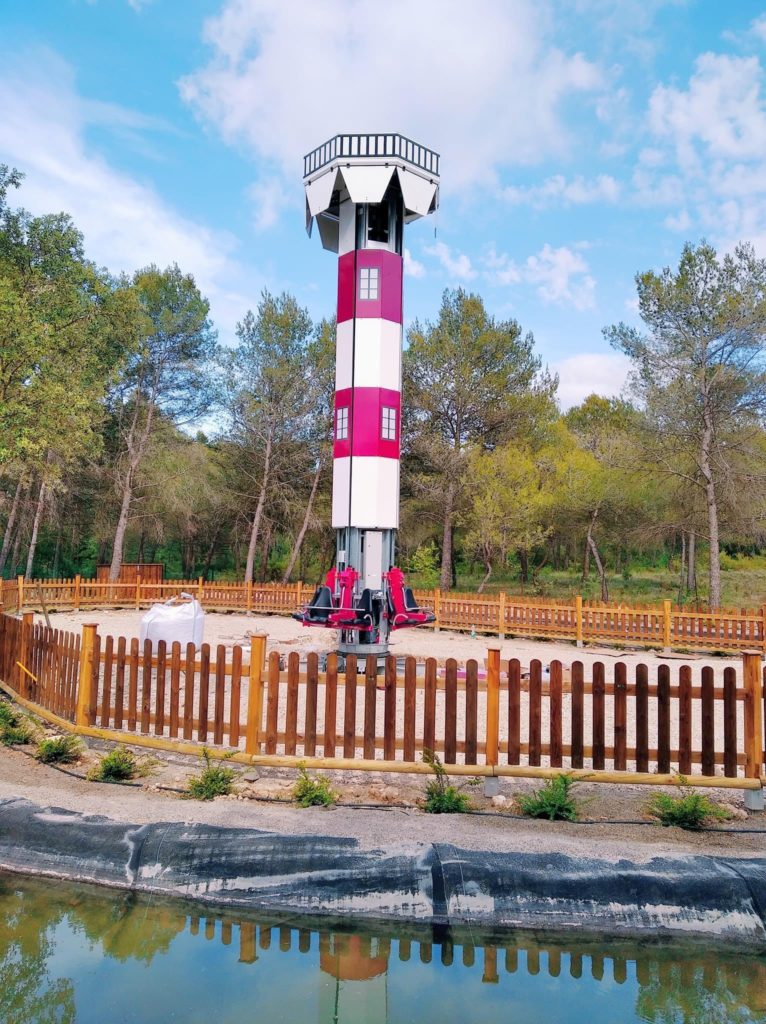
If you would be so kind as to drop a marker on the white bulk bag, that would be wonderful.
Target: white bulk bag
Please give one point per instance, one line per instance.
(180, 619)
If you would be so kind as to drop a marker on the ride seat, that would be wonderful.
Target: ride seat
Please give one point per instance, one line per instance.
(319, 608)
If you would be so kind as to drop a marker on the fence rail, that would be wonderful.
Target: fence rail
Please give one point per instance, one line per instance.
(496, 718)
(664, 627)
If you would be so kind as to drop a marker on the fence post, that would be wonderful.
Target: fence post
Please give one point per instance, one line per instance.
(200, 588)
(138, 590)
(255, 693)
(492, 783)
(20, 585)
(437, 609)
(501, 617)
(77, 595)
(752, 674)
(25, 683)
(763, 627)
(88, 671)
(666, 619)
(578, 620)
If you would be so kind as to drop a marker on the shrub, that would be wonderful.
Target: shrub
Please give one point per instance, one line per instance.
(691, 810)
(59, 750)
(308, 792)
(442, 798)
(14, 728)
(214, 780)
(119, 765)
(553, 801)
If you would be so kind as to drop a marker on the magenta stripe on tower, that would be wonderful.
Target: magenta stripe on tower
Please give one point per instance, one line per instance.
(388, 304)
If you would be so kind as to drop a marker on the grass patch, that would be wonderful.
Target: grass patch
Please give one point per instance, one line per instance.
(552, 801)
(214, 780)
(691, 811)
(59, 750)
(308, 792)
(15, 729)
(441, 797)
(120, 765)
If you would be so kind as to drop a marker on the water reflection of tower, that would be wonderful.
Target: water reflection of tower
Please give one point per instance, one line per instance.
(354, 979)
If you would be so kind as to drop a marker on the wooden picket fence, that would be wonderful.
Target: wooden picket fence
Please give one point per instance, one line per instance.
(492, 719)
(662, 627)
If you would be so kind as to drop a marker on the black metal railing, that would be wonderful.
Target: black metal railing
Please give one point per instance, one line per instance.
(340, 146)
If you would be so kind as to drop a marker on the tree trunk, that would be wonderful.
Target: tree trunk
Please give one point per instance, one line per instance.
(586, 563)
(304, 525)
(210, 552)
(485, 581)
(10, 525)
(691, 562)
(119, 533)
(597, 558)
(523, 565)
(254, 530)
(35, 531)
(712, 512)
(445, 580)
(265, 551)
(57, 553)
(683, 557)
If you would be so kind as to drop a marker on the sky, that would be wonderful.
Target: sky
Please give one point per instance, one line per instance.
(582, 141)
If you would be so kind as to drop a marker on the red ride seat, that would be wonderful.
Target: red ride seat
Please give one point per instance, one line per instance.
(402, 607)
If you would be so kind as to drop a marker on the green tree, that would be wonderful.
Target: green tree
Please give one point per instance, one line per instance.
(168, 375)
(700, 371)
(270, 400)
(469, 382)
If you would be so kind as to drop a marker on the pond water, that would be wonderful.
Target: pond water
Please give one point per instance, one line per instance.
(87, 955)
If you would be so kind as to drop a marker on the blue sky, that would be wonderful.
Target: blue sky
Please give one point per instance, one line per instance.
(581, 141)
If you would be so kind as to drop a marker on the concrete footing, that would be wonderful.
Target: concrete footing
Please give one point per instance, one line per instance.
(491, 785)
(754, 799)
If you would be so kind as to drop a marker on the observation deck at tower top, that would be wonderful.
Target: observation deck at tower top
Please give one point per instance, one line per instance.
(371, 147)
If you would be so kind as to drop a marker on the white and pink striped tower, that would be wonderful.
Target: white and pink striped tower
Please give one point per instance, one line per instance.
(361, 190)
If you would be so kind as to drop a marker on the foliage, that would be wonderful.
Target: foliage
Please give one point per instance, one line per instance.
(552, 801)
(214, 780)
(424, 564)
(442, 798)
(700, 369)
(690, 811)
(308, 792)
(119, 765)
(15, 729)
(59, 750)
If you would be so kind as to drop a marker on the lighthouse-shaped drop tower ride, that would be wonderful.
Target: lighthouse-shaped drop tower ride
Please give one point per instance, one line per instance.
(361, 190)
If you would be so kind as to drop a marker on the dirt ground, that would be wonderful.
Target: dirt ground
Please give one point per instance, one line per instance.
(285, 634)
(615, 823)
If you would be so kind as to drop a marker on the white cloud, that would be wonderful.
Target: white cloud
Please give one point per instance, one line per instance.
(269, 197)
(283, 77)
(714, 131)
(721, 112)
(579, 190)
(758, 27)
(561, 276)
(126, 223)
(457, 264)
(412, 267)
(590, 373)
(678, 222)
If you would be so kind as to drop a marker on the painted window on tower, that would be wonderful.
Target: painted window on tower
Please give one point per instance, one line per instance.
(341, 424)
(369, 283)
(388, 423)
